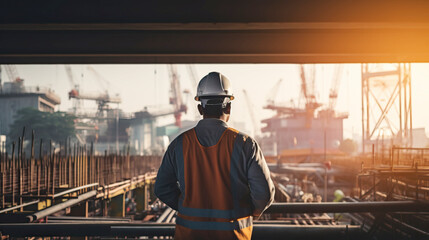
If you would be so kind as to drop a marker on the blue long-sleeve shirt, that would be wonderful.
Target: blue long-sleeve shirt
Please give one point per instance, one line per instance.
(258, 181)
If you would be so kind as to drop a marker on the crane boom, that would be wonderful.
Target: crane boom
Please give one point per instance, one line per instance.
(273, 93)
(96, 97)
(176, 95)
(12, 73)
(193, 76)
(194, 82)
(333, 92)
(101, 80)
(69, 72)
(256, 128)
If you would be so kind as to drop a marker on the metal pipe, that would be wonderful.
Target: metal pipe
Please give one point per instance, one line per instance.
(75, 189)
(340, 207)
(260, 231)
(170, 216)
(60, 206)
(94, 219)
(164, 215)
(19, 206)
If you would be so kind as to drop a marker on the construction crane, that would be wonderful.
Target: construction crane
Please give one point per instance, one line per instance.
(308, 87)
(77, 103)
(333, 92)
(102, 99)
(273, 93)
(101, 80)
(256, 128)
(308, 91)
(193, 76)
(176, 95)
(193, 80)
(12, 73)
(281, 110)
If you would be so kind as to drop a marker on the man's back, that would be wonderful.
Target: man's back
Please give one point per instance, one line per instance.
(217, 179)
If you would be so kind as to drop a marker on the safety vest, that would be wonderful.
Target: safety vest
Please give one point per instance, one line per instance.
(214, 201)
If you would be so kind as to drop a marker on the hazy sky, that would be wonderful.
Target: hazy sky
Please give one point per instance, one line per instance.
(149, 85)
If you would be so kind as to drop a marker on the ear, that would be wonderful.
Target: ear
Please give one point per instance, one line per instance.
(227, 110)
(200, 109)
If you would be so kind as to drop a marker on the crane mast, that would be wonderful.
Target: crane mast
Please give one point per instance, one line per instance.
(102, 99)
(273, 93)
(333, 92)
(12, 73)
(176, 95)
(77, 103)
(194, 82)
(252, 114)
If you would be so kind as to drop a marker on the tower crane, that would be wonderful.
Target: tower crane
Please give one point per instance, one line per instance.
(12, 73)
(102, 99)
(256, 128)
(101, 80)
(273, 93)
(193, 80)
(308, 87)
(176, 95)
(308, 92)
(333, 92)
(281, 110)
(77, 103)
(193, 76)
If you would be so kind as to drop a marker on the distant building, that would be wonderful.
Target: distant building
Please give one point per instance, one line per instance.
(302, 132)
(420, 140)
(143, 132)
(2, 143)
(15, 96)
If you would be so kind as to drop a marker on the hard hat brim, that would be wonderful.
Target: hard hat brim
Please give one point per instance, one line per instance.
(197, 98)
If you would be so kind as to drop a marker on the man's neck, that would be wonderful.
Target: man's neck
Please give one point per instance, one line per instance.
(224, 117)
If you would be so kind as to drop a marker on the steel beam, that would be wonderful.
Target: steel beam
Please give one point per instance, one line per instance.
(60, 206)
(74, 190)
(274, 31)
(240, 11)
(260, 231)
(343, 207)
(19, 206)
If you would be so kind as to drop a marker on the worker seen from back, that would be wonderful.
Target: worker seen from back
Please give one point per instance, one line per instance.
(214, 176)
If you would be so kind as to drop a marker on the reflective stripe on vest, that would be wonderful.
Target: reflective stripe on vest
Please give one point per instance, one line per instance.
(208, 179)
(222, 226)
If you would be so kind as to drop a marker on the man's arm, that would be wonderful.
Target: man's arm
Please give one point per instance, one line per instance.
(166, 188)
(261, 186)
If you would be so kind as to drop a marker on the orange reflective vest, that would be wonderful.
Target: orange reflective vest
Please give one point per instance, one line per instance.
(210, 206)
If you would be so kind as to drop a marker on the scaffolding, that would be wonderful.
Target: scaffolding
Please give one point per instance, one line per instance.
(386, 105)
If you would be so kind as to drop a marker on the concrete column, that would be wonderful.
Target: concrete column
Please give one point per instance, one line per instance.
(151, 191)
(117, 206)
(141, 197)
(80, 210)
(105, 206)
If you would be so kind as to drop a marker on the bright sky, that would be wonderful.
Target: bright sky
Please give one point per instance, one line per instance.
(148, 85)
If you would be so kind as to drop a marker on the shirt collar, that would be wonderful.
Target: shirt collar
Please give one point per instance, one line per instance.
(211, 122)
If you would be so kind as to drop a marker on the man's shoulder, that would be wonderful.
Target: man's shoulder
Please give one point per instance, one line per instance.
(174, 143)
(247, 139)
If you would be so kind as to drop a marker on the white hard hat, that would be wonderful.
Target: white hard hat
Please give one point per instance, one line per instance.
(212, 85)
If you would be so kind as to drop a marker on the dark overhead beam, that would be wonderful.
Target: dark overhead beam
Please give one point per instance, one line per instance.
(260, 230)
(244, 11)
(213, 32)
